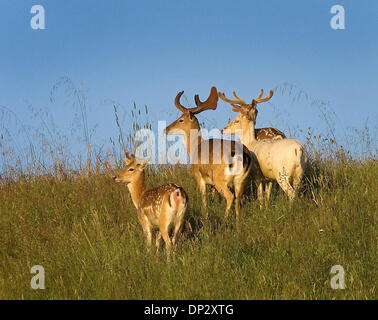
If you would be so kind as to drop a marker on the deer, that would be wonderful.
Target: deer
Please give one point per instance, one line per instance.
(268, 133)
(162, 208)
(227, 162)
(281, 160)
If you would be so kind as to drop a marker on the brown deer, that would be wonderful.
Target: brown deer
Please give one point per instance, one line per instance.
(160, 208)
(281, 160)
(217, 162)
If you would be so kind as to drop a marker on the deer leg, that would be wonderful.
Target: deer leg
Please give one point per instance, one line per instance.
(284, 183)
(202, 186)
(177, 231)
(268, 190)
(167, 240)
(146, 226)
(239, 189)
(164, 230)
(212, 190)
(158, 239)
(223, 189)
(260, 193)
(298, 174)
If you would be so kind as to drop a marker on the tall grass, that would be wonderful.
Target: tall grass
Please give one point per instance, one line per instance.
(70, 217)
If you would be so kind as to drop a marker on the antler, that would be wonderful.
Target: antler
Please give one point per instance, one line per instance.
(128, 157)
(126, 152)
(238, 105)
(260, 95)
(238, 101)
(210, 104)
(259, 99)
(177, 102)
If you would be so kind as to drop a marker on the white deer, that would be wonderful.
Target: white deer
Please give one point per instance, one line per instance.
(281, 160)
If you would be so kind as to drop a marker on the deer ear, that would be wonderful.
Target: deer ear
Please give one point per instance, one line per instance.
(144, 165)
(191, 116)
(129, 158)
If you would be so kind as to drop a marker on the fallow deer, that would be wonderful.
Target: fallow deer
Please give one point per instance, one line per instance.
(281, 160)
(268, 133)
(226, 164)
(160, 208)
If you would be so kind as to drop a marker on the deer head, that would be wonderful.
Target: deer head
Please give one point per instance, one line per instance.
(247, 112)
(188, 121)
(133, 170)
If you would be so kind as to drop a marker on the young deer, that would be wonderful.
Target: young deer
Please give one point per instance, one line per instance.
(281, 160)
(226, 162)
(159, 208)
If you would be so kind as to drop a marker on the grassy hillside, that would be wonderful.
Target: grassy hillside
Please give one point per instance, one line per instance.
(83, 229)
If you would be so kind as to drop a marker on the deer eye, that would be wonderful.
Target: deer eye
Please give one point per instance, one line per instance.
(237, 121)
(131, 169)
(181, 120)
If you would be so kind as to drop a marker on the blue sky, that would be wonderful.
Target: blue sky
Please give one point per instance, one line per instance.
(147, 51)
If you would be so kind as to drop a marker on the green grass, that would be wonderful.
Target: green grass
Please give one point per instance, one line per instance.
(84, 231)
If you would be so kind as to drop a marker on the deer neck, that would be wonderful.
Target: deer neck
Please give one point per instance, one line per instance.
(248, 137)
(192, 138)
(137, 188)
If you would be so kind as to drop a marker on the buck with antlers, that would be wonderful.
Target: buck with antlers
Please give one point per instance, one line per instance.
(262, 133)
(160, 208)
(281, 160)
(217, 162)
(266, 133)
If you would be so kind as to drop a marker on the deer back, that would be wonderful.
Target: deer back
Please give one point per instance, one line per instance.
(155, 200)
